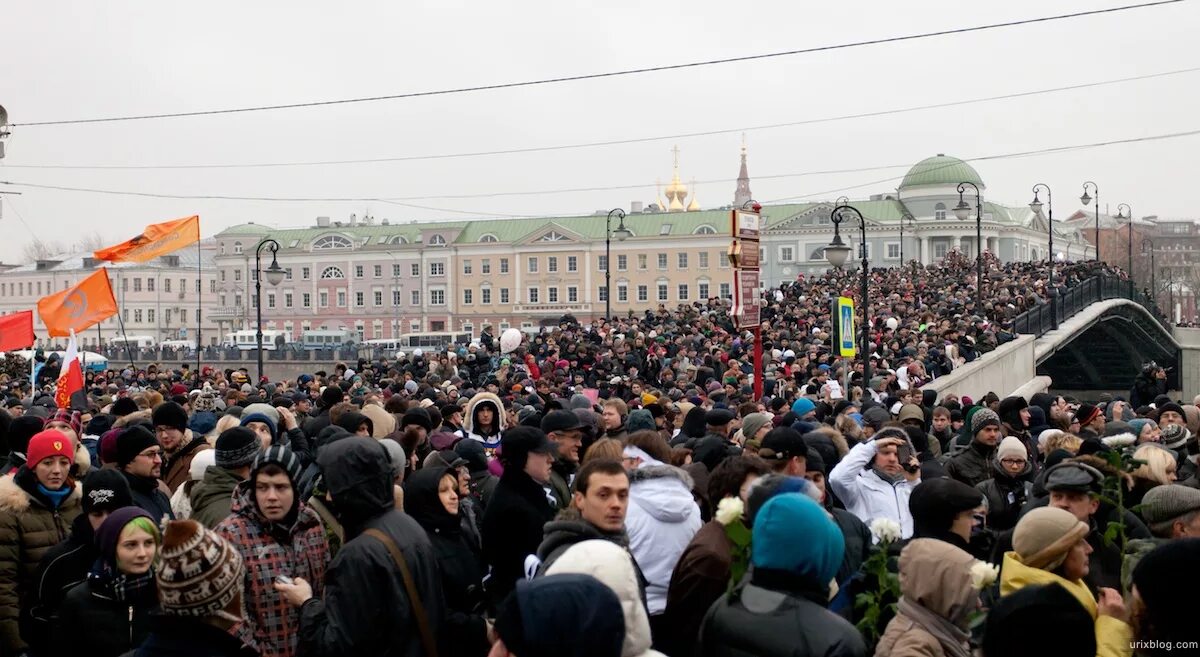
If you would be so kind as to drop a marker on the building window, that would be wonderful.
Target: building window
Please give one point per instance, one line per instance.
(662, 291)
(341, 298)
(503, 265)
(137, 316)
(552, 264)
(270, 299)
(533, 265)
(137, 285)
(864, 254)
(602, 294)
(488, 237)
(602, 262)
(703, 256)
(287, 299)
(723, 260)
(702, 290)
(939, 211)
(326, 242)
(466, 267)
(415, 298)
(378, 269)
(531, 295)
(683, 291)
(503, 295)
(437, 240)
(622, 292)
(552, 295)
(572, 294)
(414, 327)
(572, 263)
(485, 266)
(416, 269)
(396, 301)
(358, 271)
(212, 285)
(332, 273)
(643, 294)
(787, 254)
(149, 284)
(662, 261)
(305, 273)
(485, 295)
(237, 248)
(359, 299)
(287, 273)
(641, 262)
(725, 291)
(622, 263)
(683, 261)
(437, 269)
(940, 249)
(150, 316)
(468, 296)
(306, 299)
(378, 296)
(222, 275)
(395, 270)
(893, 250)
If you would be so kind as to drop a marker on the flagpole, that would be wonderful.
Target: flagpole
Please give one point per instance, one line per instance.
(128, 351)
(199, 294)
(99, 340)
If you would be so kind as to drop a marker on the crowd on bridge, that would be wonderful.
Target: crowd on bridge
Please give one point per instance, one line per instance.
(612, 489)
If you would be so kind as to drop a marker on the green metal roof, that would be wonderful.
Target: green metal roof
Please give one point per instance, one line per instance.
(940, 170)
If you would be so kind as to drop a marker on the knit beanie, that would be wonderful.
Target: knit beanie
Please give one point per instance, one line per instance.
(559, 615)
(132, 442)
(69, 418)
(984, 417)
(1171, 406)
(205, 401)
(237, 447)
(124, 406)
(105, 490)
(1011, 448)
(1174, 436)
(281, 456)
(200, 462)
(1045, 535)
(98, 425)
(639, 420)
(169, 414)
(417, 416)
(1137, 425)
(794, 534)
(47, 444)
(1166, 503)
(202, 422)
(752, 423)
(199, 574)
(108, 445)
(248, 417)
(109, 531)
(1170, 612)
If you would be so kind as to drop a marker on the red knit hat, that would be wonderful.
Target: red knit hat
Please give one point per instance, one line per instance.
(46, 444)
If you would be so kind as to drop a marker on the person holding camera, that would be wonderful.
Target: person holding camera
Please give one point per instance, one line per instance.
(874, 480)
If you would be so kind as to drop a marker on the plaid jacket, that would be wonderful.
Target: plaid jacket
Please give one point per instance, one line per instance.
(271, 626)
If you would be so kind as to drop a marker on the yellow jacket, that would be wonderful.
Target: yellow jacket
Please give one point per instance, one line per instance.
(1113, 636)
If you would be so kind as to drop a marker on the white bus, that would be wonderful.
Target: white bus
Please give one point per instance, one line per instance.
(178, 344)
(247, 340)
(326, 339)
(426, 341)
(135, 342)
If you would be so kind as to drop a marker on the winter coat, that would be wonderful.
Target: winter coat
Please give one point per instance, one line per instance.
(661, 520)
(212, 498)
(173, 636)
(29, 526)
(366, 609)
(1112, 635)
(268, 551)
(470, 428)
(1006, 495)
(63, 567)
(175, 470)
(935, 584)
(148, 496)
(700, 578)
(769, 615)
(972, 465)
(512, 529)
(858, 541)
(865, 494)
(104, 626)
(567, 529)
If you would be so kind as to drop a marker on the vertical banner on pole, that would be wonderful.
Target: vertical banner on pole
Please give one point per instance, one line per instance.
(745, 227)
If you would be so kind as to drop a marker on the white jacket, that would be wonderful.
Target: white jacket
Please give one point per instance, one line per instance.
(612, 565)
(868, 496)
(661, 521)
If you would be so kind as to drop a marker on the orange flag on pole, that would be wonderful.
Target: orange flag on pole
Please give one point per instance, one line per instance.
(156, 240)
(76, 308)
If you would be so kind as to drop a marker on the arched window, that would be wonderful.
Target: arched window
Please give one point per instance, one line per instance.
(237, 248)
(332, 272)
(399, 239)
(705, 230)
(437, 240)
(939, 212)
(488, 237)
(332, 242)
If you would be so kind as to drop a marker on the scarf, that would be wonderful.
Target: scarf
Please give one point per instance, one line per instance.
(56, 497)
(891, 479)
(134, 589)
(954, 640)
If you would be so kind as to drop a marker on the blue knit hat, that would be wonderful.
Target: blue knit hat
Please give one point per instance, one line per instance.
(639, 420)
(265, 419)
(803, 406)
(793, 533)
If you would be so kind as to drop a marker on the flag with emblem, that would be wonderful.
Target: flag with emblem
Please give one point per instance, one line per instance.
(76, 308)
(156, 240)
(70, 379)
(16, 331)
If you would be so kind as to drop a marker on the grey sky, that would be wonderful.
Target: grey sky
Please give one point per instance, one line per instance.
(83, 59)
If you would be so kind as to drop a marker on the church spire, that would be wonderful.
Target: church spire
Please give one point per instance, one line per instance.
(742, 193)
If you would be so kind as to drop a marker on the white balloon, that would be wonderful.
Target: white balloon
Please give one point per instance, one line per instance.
(892, 323)
(510, 339)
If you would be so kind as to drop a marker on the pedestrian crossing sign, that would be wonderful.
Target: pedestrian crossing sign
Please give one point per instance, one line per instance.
(845, 335)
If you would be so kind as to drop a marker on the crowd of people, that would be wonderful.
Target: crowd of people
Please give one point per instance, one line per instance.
(611, 490)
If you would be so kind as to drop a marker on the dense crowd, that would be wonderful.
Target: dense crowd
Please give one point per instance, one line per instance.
(611, 490)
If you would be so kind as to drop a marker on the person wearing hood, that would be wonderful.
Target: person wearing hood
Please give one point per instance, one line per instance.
(179, 444)
(37, 507)
(357, 424)
(67, 564)
(1014, 421)
(693, 428)
(212, 498)
(873, 482)
(382, 422)
(779, 609)
(1050, 547)
(484, 421)
(937, 599)
(612, 566)
(277, 535)
(661, 520)
(564, 615)
(139, 458)
(520, 506)
(383, 594)
(19, 432)
(1010, 487)
(110, 612)
(431, 498)
(974, 464)
(482, 482)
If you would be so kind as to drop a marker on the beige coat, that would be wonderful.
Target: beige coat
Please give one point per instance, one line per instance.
(936, 576)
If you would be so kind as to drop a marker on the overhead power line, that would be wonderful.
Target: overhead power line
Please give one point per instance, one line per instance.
(612, 142)
(608, 74)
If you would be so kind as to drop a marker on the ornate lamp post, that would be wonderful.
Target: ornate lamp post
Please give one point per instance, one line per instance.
(622, 233)
(275, 276)
(1086, 199)
(1148, 247)
(962, 211)
(836, 253)
(905, 221)
(1036, 206)
(1125, 213)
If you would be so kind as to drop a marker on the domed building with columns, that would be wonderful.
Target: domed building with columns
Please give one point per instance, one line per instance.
(916, 222)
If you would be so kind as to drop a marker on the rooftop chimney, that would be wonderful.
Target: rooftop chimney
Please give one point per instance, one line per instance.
(322, 222)
(635, 207)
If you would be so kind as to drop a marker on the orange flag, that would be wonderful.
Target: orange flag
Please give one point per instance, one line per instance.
(78, 307)
(156, 240)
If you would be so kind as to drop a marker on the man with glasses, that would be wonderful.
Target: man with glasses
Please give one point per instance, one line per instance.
(140, 459)
(565, 430)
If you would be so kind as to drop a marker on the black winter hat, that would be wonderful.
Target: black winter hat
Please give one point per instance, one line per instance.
(417, 416)
(936, 502)
(1052, 614)
(1010, 410)
(237, 447)
(98, 425)
(105, 490)
(124, 406)
(332, 395)
(169, 414)
(132, 442)
(21, 430)
(562, 615)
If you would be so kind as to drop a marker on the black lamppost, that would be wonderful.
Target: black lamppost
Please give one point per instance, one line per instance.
(1036, 206)
(1125, 213)
(1085, 199)
(962, 211)
(1148, 247)
(1169, 274)
(622, 232)
(275, 275)
(906, 220)
(836, 253)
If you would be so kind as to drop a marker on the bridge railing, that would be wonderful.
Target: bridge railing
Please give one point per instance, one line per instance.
(1046, 317)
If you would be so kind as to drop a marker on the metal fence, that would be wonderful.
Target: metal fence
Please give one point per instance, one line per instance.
(1067, 302)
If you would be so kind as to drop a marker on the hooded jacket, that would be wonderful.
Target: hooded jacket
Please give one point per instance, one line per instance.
(661, 520)
(29, 526)
(470, 428)
(973, 464)
(366, 609)
(512, 528)
(212, 497)
(935, 581)
(268, 550)
(868, 496)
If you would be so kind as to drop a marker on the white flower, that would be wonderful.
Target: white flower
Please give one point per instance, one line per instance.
(983, 574)
(729, 510)
(885, 530)
(1119, 440)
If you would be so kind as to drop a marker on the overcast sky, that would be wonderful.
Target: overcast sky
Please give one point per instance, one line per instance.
(80, 59)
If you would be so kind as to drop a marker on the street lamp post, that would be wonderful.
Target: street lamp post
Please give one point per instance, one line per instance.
(836, 253)
(906, 220)
(962, 211)
(1148, 247)
(1086, 199)
(1036, 206)
(275, 275)
(622, 232)
(1125, 213)
(1168, 274)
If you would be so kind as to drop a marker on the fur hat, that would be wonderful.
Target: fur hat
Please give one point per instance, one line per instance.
(1045, 535)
